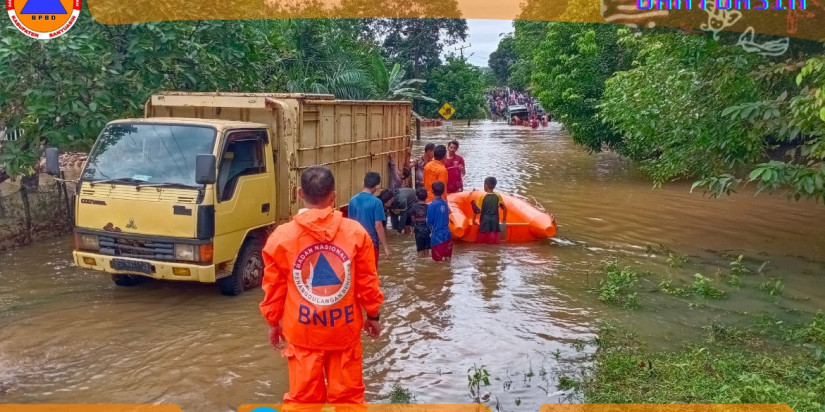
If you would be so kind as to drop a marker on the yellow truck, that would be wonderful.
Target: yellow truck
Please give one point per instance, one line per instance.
(191, 191)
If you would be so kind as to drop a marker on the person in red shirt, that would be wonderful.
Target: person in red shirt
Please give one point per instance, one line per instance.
(319, 279)
(455, 168)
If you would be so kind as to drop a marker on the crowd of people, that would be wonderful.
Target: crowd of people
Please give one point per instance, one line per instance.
(422, 209)
(321, 269)
(500, 100)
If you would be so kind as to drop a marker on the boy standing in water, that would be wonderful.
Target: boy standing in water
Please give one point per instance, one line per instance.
(319, 279)
(490, 203)
(419, 219)
(438, 219)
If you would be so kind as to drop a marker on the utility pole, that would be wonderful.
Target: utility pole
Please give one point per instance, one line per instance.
(461, 49)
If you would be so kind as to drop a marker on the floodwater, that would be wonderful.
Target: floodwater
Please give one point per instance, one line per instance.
(71, 336)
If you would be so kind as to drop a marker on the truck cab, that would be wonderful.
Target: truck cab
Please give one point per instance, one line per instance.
(145, 208)
(191, 191)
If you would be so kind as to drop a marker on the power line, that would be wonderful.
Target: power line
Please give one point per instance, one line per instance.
(461, 49)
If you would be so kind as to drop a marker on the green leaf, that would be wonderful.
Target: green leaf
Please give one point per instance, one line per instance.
(756, 173)
(729, 110)
(808, 185)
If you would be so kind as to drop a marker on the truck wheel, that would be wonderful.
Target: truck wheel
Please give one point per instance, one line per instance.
(248, 271)
(125, 280)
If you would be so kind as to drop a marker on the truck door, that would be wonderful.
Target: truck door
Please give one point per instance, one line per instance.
(243, 190)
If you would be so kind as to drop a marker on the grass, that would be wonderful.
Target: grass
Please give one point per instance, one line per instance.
(567, 383)
(702, 286)
(773, 287)
(737, 268)
(669, 289)
(733, 280)
(400, 394)
(674, 259)
(476, 378)
(616, 285)
(770, 363)
(806, 333)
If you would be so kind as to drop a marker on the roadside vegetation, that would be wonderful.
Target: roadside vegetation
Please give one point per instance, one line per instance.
(617, 286)
(763, 359)
(768, 362)
(62, 92)
(682, 105)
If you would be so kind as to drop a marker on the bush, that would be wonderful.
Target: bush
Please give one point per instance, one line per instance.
(702, 287)
(616, 284)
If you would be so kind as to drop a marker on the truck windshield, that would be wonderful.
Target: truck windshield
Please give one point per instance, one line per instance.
(149, 153)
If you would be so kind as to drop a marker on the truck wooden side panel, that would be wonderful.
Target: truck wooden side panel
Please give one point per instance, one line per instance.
(350, 137)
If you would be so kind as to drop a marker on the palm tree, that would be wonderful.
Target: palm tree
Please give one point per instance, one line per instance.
(390, 84)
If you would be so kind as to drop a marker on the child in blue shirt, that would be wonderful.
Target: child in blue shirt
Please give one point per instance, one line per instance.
(438, 219)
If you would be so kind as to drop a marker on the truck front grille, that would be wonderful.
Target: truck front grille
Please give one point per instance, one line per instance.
(120, 246)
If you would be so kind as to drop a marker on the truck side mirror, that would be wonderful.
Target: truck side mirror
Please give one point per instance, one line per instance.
(205, 169)
(52, 161)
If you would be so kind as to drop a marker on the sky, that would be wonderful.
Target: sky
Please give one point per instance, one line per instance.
(483, 38)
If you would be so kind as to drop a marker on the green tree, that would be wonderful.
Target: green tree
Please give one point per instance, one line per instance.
(62, 91)
(528, 37)
(458, 83)
(796, 123)
(570, 67)
(502, 60)
(668, 109)
(391, 85)
(417, 43)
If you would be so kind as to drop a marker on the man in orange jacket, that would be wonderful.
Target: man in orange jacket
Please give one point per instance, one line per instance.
(319, 275)
(435, 171)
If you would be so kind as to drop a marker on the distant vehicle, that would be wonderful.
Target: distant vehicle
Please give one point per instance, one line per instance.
(516, 110)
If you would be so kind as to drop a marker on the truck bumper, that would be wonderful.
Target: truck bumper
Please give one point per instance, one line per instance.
(160, 269)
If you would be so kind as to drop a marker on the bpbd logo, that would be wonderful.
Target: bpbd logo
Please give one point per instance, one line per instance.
(322, 276)
(43, 19)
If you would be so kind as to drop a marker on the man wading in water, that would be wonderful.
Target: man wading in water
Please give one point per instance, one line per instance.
(421, 162)
(455, 168)
(319, 278)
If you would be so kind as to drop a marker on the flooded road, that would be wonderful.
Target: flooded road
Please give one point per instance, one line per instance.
(71, 336)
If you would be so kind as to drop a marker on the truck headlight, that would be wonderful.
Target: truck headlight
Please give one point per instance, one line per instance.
(185, 252)
(88, 242)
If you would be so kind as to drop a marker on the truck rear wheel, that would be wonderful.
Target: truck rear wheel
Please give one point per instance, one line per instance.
(248, 271)
(125, 280)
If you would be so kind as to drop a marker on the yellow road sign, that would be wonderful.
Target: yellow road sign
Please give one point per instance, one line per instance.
(446, 111)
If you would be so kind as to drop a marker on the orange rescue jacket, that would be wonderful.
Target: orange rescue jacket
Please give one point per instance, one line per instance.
(434, 171)
(319, 274)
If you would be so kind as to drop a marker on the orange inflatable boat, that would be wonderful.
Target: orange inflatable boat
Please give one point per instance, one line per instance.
(525, 221)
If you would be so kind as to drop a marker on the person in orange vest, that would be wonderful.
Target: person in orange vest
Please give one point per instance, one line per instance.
(435, 171)
(319, 279)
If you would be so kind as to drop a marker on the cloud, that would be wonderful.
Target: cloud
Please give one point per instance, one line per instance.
(484, 36)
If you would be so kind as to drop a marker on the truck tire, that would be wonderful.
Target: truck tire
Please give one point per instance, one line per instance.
(125, 280)
(248, 271)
